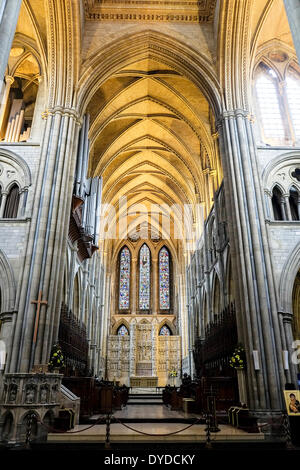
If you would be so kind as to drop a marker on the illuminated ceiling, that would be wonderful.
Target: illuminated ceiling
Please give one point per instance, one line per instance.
(151, 141)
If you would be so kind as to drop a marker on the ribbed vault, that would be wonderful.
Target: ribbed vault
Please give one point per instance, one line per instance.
(151, 135)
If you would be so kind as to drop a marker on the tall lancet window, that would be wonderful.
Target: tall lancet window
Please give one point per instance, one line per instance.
(164, 279)
(124, 292)
(144, 278)
(269, 105)
(293, 94)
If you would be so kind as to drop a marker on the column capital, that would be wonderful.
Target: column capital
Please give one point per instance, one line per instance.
(268, 192)
(6, 317)
(286, 317)
(233, 114)
(9, 79)
(69, 112)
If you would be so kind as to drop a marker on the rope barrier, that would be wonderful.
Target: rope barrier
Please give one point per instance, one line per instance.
(103, 419)
(149, 434)
(58, 431)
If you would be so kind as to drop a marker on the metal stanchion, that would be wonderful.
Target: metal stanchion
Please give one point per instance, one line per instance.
(208, 443)
(107, 436)
(287, 432)
(29, 422)
(211, 406)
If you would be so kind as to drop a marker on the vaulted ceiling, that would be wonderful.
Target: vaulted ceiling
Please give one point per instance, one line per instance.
(151, 142)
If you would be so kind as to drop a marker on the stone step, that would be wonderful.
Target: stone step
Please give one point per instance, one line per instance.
(141, 403)
(145, 397)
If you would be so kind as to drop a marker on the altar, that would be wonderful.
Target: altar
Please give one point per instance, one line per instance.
(144, 382)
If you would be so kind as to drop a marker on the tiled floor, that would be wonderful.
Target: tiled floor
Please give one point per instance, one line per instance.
(153, 412)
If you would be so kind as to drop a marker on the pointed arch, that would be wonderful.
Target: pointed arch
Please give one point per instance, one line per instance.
(168, 324)
(286, 283)
(12, 202)
(294, 201)
(278, 204)
(269, 110)
(118, 324)
(157, 46)
(76, 297)
(122, 330)
(216, 295)
(165, 331)
(7, 285)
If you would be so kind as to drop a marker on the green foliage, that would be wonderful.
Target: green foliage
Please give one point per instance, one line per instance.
(57, 358)
(173, 373)
(238, 358)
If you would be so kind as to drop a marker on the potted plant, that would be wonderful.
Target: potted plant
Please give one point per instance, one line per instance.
(238, 358)
(238, 362)
(173, 374)
(56, 359)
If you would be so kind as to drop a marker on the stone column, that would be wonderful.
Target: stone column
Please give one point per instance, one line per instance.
(257, 314)
(154, 349)
(269, 206)
(134, 287)
(155, 289)
(8, 25)
(23, 200)
(287, 206)
(287, 320)
(47, 241)
(85, 274)
(38, 111)
(74, 249)
(3, 202)
(292, 8)
(132, 353)
(190, 346)
(6, 319)
(8, 83)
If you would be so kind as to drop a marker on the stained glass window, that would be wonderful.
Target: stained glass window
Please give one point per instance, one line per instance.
(164, 279)
(165, 331)
(144, 284)
(123, 331)
(124, 292)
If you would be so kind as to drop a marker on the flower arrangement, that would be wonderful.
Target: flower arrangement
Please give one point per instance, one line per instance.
(173, 373)
(238, 358)
(57, 358)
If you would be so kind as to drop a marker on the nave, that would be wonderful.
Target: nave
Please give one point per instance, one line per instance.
(147, 419)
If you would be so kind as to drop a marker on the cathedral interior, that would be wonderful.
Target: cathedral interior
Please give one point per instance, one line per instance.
(149, 211)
